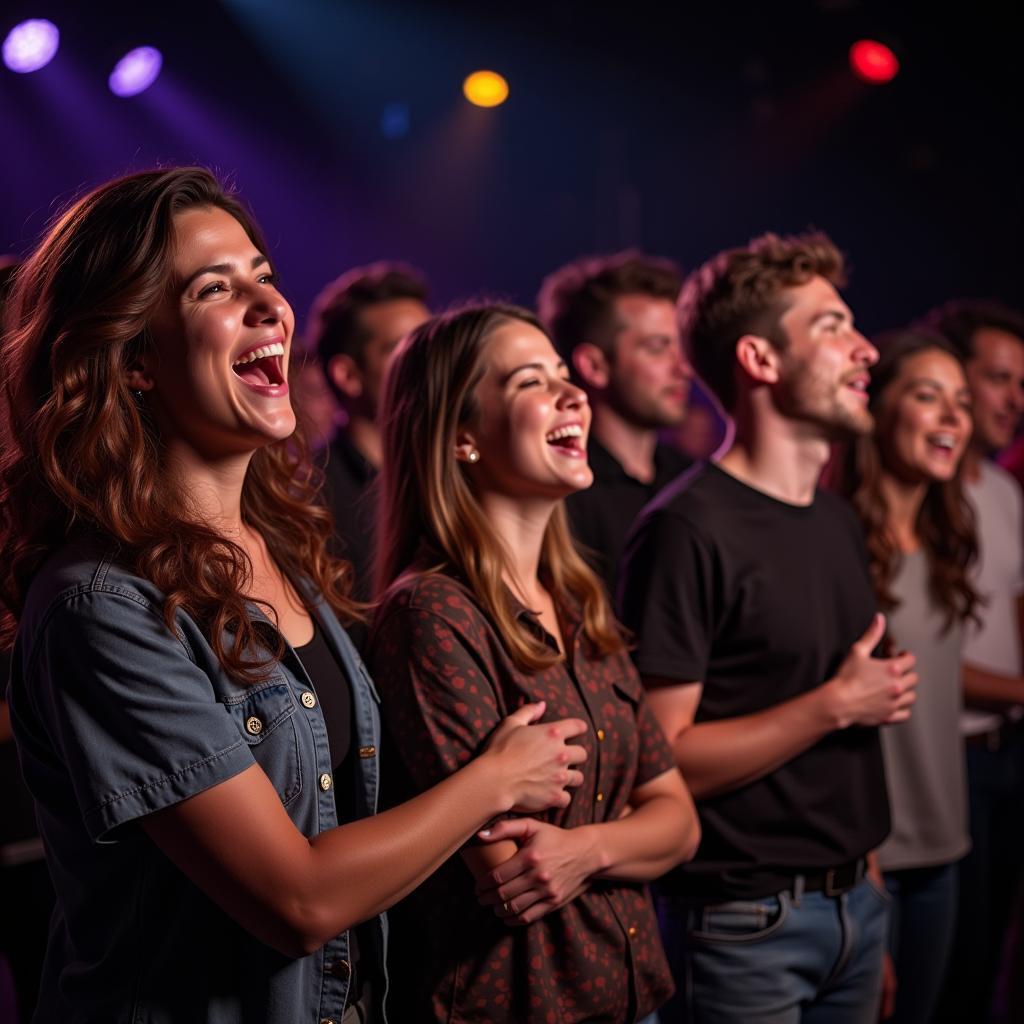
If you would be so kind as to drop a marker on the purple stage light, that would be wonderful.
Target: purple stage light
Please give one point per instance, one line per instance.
(136, 71)
(31, 45)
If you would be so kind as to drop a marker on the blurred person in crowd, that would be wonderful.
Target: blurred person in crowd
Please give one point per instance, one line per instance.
(354, 326)
(747, 589)
(904, 482)
(613, 320)
(990, 340)
(705, 429)
(26, 892)
(486, 603)
(201, 739)
(314, 401)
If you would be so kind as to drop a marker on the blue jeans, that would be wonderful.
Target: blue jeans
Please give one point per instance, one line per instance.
(786, 959)
(989, 876)
(921, 937)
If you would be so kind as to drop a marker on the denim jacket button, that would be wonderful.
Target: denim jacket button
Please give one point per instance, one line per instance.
(326, 1020)
(341, 969)
(308, 699)
(365, 752)
(253, 726)
(326, 782)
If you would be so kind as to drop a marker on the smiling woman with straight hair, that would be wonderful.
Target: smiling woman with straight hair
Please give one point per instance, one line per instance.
(192, 720)
(488, 605)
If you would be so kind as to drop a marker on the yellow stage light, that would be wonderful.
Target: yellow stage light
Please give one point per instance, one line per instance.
(485, 89)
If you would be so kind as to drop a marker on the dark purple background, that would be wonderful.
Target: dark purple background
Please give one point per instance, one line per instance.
(678, 131)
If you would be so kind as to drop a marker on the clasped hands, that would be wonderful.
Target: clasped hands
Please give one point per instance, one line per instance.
(550, 869)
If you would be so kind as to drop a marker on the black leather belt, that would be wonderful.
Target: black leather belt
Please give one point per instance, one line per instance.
(835, 881)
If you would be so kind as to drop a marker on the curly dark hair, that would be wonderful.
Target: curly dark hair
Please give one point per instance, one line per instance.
(76, 451)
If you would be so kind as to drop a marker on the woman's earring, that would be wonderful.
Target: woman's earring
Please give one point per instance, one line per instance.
(473, 456)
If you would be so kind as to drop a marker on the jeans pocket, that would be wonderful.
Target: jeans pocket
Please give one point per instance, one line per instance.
(741, 920)
(878, 891)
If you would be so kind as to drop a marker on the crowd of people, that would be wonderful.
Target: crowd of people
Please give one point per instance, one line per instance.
(653, 656)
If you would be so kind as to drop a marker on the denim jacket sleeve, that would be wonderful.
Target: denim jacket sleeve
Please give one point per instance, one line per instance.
(135, 719)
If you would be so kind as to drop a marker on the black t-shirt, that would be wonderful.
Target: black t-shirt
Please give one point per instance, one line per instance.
(760, 600)
(601, 515)
(348, 487)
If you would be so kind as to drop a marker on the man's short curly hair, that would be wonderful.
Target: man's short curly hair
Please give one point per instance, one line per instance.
(741, 291)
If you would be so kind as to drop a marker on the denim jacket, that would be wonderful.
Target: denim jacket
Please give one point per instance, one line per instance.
(117, 717)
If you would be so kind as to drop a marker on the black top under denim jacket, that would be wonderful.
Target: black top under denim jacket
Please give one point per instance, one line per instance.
(117, 717)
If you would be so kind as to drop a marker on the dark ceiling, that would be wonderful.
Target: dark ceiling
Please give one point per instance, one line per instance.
(678, 128)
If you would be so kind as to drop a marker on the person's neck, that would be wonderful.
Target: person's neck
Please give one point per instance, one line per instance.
(213, 487)
(974, 457)
(903, 500)
(780, 457)
(520, 524)
(364, 433)
(632, 445)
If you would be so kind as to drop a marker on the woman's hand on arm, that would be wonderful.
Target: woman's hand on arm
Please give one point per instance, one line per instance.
(554, 865)
(550, 868)
(237, 843)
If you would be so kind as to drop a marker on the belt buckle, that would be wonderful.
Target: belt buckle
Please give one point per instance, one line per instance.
(833, 887)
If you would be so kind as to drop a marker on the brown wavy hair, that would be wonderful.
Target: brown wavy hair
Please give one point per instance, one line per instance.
(945, 522)
(78, 452)
(742, 291)
(428, 508)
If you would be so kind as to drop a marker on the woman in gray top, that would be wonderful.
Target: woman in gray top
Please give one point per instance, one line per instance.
(904, 482)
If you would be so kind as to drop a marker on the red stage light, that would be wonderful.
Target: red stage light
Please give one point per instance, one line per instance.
(873, 62)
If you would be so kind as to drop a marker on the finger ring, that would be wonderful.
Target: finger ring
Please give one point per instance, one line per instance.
(506, 907)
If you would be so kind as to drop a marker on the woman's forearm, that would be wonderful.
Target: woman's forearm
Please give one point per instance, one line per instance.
(659, 834)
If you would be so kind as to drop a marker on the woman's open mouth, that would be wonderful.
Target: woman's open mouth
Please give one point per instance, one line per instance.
(568, 440)
(262, 368)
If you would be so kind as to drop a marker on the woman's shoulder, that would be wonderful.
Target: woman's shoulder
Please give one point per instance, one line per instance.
(434, 594)
(86, 565)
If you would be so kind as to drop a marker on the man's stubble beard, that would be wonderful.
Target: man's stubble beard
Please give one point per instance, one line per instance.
(813, 399)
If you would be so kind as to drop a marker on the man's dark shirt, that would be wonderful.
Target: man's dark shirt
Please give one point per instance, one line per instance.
(759, 600)
(601, 515)
(348, 480)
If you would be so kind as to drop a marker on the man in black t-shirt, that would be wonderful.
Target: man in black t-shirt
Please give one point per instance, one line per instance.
(354, 326)
(749, 594)
(613, 321)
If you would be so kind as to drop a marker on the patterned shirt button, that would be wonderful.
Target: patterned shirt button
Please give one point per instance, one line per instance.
(631, 931)
(308, 699)
(326, 782)
(253, 725)
(600, 735)
(599, 797)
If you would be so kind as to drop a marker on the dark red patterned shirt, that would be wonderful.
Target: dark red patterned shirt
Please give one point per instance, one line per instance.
(446, 682)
